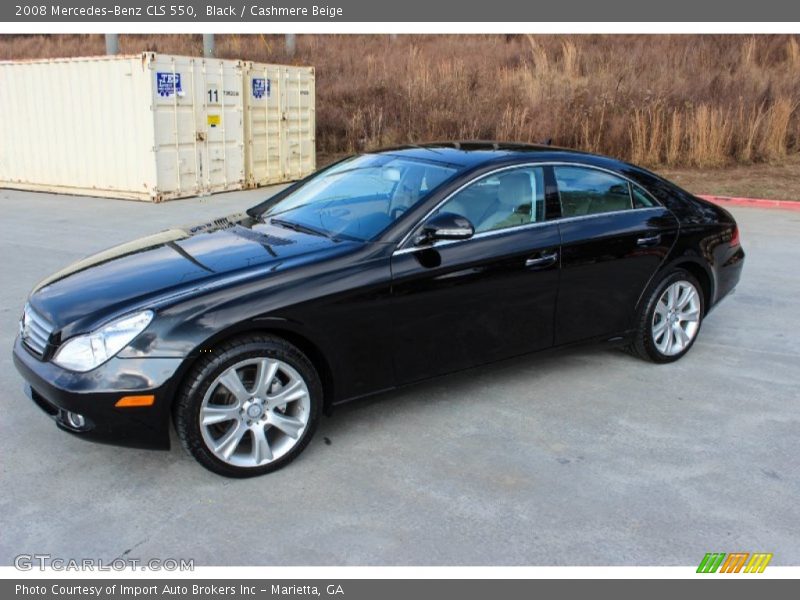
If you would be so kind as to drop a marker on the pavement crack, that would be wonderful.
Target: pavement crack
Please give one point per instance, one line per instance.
(129, 550)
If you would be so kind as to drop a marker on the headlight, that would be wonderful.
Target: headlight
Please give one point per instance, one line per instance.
(85, 352)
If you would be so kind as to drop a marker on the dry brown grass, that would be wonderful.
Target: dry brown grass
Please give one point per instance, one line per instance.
(779, 180)
(657, 100)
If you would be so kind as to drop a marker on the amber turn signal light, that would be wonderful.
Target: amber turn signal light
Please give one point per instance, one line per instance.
(129, 401)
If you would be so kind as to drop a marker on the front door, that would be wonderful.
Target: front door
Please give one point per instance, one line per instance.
(462, 303)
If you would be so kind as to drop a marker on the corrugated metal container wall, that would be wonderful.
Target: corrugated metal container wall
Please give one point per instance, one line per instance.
(77, 126)
(280, 123)
(199, 133)
(148, 127)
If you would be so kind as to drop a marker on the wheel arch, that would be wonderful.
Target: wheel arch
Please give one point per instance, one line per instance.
(703, 277)
(691, 264)
(279, 328)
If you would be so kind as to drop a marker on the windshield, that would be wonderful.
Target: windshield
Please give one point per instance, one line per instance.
(359, 197)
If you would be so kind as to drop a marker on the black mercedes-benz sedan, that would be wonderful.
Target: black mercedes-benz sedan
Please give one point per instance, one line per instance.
(381, 270)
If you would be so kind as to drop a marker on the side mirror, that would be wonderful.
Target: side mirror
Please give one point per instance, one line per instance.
(445, 226)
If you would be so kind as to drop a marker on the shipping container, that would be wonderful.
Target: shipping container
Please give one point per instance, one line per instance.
(151, 126)
(280, 123)
(148, 127)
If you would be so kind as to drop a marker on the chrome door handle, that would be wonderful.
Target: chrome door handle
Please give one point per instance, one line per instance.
(649, 241)
(542, 261)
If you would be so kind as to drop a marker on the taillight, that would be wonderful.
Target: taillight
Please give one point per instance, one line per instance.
(734, 237)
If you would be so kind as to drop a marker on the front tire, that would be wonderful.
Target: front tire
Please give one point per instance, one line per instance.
(670, 319)
(249, 407)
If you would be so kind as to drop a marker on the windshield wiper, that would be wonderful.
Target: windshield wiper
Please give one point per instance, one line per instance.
(299, 227)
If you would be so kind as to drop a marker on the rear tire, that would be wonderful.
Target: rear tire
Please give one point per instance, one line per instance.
(669, 321)
(249, 407)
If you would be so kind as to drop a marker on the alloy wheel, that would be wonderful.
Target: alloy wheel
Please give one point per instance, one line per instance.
(676, 318)
(254, 412)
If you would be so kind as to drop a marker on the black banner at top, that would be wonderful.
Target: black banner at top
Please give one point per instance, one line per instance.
(54, 11)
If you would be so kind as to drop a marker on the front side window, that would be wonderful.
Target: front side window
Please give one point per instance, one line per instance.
(506, 199)
(359, 197)
(589, 191)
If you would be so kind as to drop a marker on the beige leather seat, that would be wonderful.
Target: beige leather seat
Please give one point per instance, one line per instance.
(515, 192)
(408, 190)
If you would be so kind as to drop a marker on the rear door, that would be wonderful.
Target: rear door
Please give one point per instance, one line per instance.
(614, 236)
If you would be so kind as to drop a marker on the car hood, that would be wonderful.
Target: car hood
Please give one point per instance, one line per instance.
(171, 262)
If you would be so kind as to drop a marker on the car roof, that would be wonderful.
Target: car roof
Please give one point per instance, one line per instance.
(466, 154)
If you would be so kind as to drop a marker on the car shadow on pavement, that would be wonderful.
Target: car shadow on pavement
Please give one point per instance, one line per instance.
(455, 387)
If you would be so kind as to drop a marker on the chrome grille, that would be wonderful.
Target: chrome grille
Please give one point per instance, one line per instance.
(35, 331)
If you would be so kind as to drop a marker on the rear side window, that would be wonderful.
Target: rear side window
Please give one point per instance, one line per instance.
(588, 192)
(640, 198)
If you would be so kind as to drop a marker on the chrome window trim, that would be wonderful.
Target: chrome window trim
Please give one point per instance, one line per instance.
(514, 228)
(630, 181)
(400, 249)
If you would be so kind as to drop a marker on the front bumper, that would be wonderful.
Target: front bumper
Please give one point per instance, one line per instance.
(95, 393)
